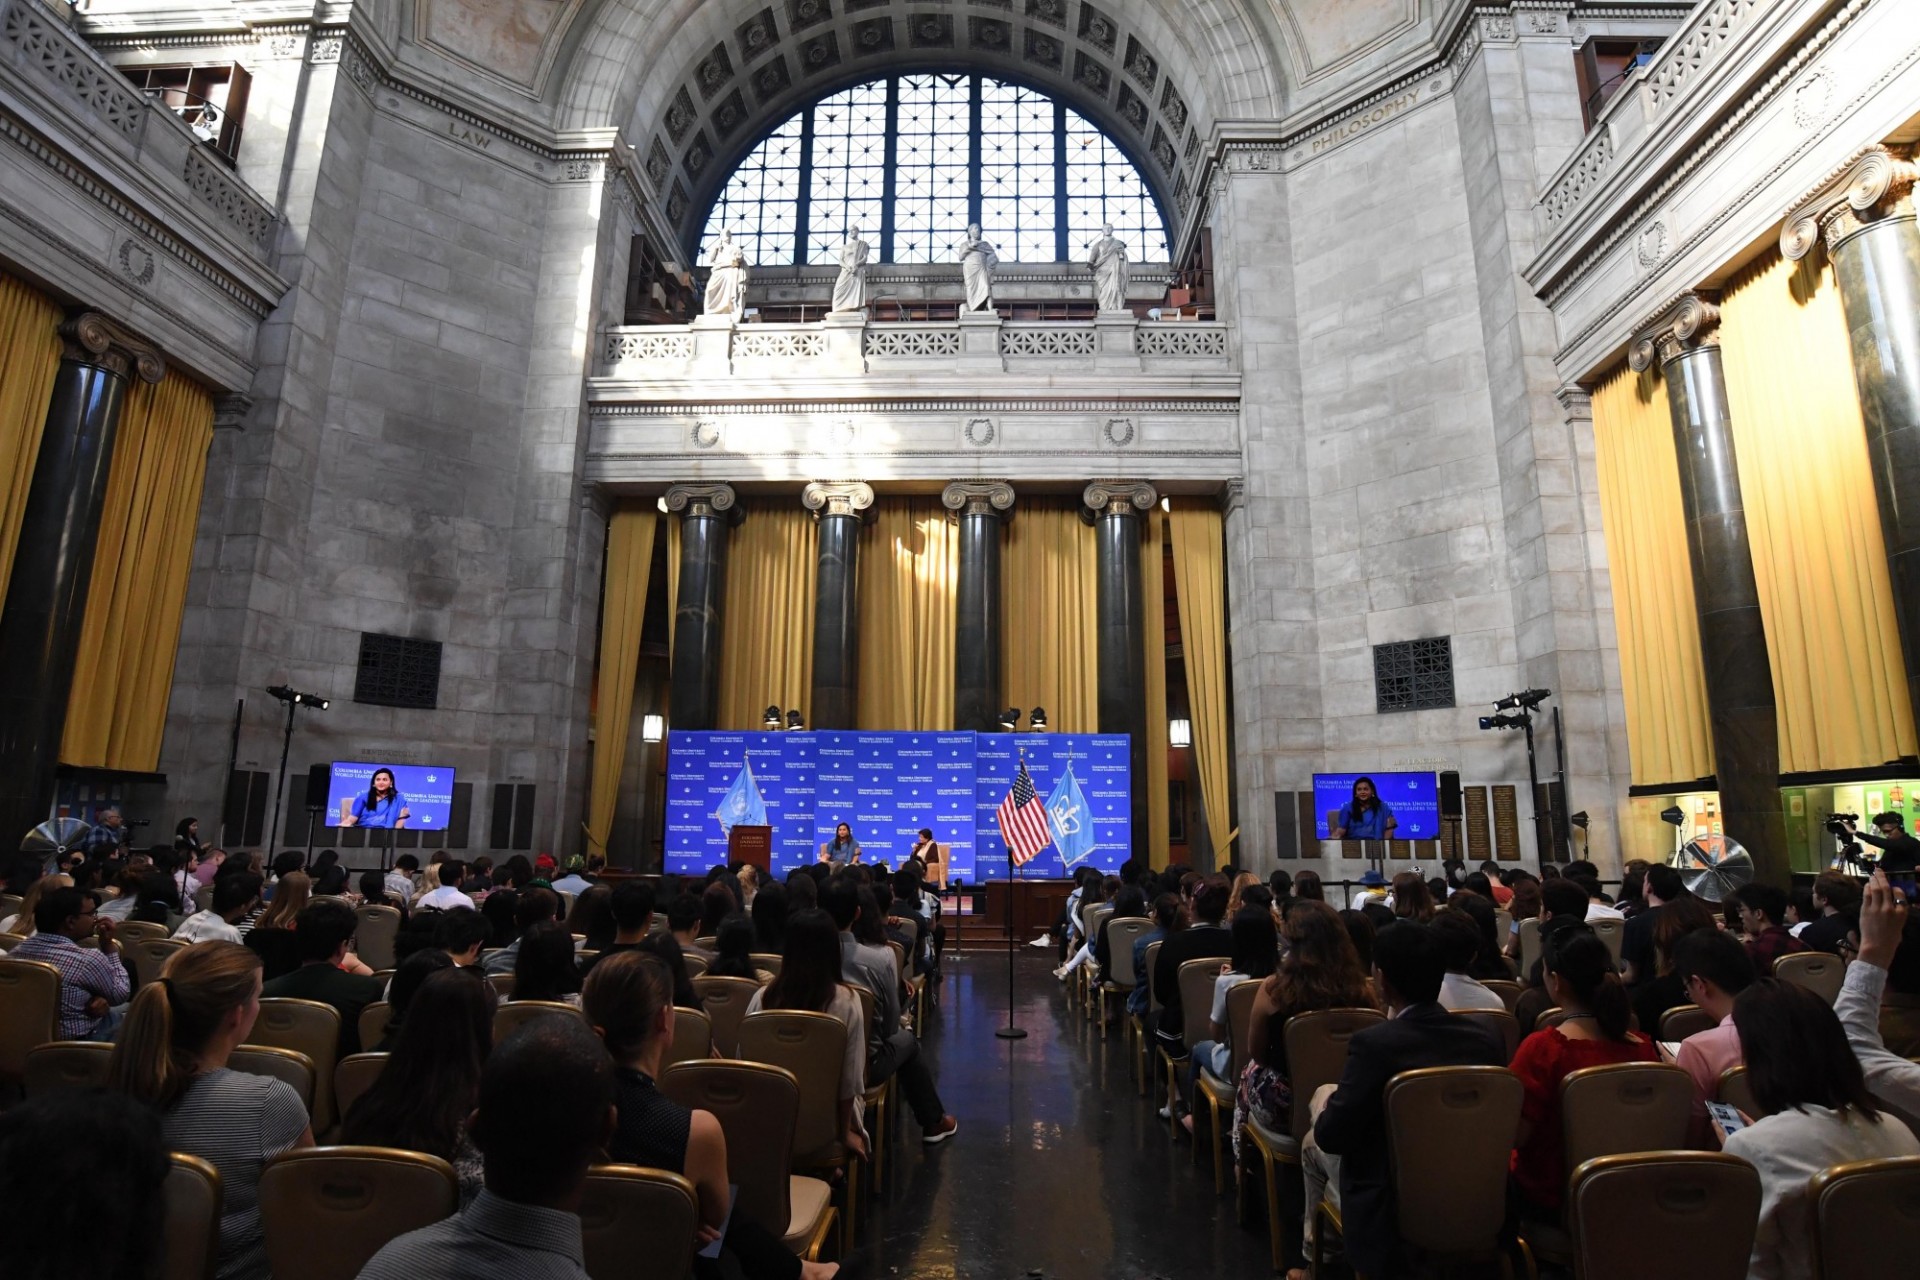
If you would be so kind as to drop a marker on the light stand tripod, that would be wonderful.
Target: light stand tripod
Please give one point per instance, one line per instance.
(294, 699)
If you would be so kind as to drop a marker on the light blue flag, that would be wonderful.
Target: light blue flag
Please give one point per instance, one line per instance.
(743, 805)
(1070, 818)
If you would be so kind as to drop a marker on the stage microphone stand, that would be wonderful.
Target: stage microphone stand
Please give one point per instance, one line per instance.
(1010, 1031)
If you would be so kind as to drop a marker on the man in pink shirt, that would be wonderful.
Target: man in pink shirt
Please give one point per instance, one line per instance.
(1715, 968)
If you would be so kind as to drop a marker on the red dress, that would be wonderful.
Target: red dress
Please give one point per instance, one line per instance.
(1544, 1060)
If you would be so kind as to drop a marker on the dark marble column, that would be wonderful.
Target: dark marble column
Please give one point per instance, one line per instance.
(839, 506)
(978, 664)
(53, 565)
(1867, 216)
(1115, 507)
(707, 515)
(1733, 640)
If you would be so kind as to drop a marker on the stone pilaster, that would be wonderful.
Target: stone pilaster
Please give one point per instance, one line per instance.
(1115, 507)
(978, 664)
(839, 506)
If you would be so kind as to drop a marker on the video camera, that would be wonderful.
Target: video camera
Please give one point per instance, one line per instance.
(1838, 823)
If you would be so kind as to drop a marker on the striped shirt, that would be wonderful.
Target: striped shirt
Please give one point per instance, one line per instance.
(237, 1122)
(495, 1239)
(84, 974)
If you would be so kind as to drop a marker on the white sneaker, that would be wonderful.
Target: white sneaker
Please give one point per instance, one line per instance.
(1044, 940)
(1062, 973)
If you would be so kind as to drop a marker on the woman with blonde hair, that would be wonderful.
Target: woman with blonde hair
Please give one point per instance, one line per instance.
(1412, 899)
(1241, 883)
(272, 934)
(22, 925)
(172, 1055)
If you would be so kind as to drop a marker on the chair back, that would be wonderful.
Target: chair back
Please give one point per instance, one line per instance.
(1624, 1108)
(1502, 924)
(373, 1023)
(1507, 989)
(1817, 971)
(637, 1224)
(203, 897)
(1317, 1052)
(692, 1037)
(1501, 1022)
(1196, 978)
(1859, 1211)
(512, 1015)
(711, 941)
(1093, 916)
(29, 1013)
(502, 984)
(1684, 1020)
(1612, 932)
(725, 1000)
(812, 1046)
(1550, 1018)
(1680, 1213)
(1121, 935)
(353, 1075)
(148, 956)
(129, 930)
(1735, 1088)
(10, 904)
(767, 962)
(1239, 1017)
(1153, 997)
(757, 1105)
(696, 965)
(289, 1066)
(373, 938)
(67, 1064)
(355, 1199)
(193, 1197)
(8, 941)
(1529, 944)
(1450, 1131)
(309, 1027)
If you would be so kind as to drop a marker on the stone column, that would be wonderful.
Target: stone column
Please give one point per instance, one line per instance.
(978, 664)
(838, 506)
(1867, 217)
(53, 566)
(1733, 640)
(707, 515)
(1115, 507)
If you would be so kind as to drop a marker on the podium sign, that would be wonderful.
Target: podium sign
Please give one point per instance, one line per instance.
(752, 845)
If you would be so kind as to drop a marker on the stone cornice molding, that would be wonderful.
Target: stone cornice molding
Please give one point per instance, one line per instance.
(1233, 497)
(1119, 497)
(1576, 400)
(92, 338)
(837, 498)
(230, 412)
(689, 500)
(1689, 323)
(1875, 184)
(979, 498)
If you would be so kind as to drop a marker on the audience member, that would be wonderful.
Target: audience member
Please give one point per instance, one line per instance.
(534, 906)
(1633, 887)
(329, 877)
(683, 922)
(407, 981)
(172, 1054)
(631, 908)
(1714, 968)
(21, 923)
(321, 935)
(1500, 887)
(1306, 884)
(667, 948)
(733, 952)
(811, 979)
(1598, 907)
(770, 908)
(803, 891)
(1461, 939)
(1662, 988)
(1763, 914)
(272, 935)
(479, 882)
(94, 984)
(1563, 904)
(1889, 945)
(1254, 955)
(545, 967)
(1487, 960)
(1523, 905)
(82, 1175)
(373, 892)
(717, 902)
(498, 908)
(546, 1111)
(461, 932)
(233, 899)
(400, 879)
(1836, 900)
(1361, 933)
(1130, 903)
(1662, 885)
(1595, 1031)
(1346, 1156)
(1166, 920)
(1818, 1110)
(1412, 898)
(448, 894)
(582, 874)
(1204, 938)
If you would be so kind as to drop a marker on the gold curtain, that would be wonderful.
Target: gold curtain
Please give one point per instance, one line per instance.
(123, 672)
(909, 573)
(1047, 625)
(29, 358)
(1154, 588)
(1661, 673)
(1818, 559)
(766, 653)
(1199, 574)
(623, 607)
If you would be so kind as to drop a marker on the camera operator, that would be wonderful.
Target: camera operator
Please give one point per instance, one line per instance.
(1900, 852)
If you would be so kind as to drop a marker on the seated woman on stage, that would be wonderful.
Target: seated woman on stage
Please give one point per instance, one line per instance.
(843, 850)
(382, 806)
(1365, 817)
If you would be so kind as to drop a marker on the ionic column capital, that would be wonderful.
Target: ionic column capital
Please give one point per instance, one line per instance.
(689, 500)
(1874, 185)
(1119, 497)
(91, 338)
(837, 498)
(979, 498)
(1688, 323)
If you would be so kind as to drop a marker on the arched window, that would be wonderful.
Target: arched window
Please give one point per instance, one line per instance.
(909, 161)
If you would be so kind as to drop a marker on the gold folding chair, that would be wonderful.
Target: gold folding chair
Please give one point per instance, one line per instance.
(1817, 971)
(289, 1066)
(514, 1014)
(355, 1199)
(373, 1023)
(767, 962)
(373, 937)
(812, 1046)
(29, 1013)
(67, 1064)
(1507, 989)
(353, 1075)
(1735, 1088)
(1505, 1027)
(1194, 980)
(1140, 1035)
(1677, 1213)
(309, 1027)
(637, 1224)
(1529, 945)
(135, 930)
(1685, 1020)
(874, 1101)
(692, 1037)
(757, 1105)
(193, 1196)
(725, 1000)
(1218, 1094)
(148, 956)
(696, 965)
(1612, 933)
(1861, 1213)
(502, 984)
(1117, 982)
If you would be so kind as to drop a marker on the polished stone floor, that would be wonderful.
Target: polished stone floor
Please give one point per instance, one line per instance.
(1060, 1170)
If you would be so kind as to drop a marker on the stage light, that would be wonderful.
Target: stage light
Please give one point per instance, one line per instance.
(1038, 718)
(1180, 733)
(1674, 815)
(795, 720)
(1010, 719)
(653, 728)
(1528, 698)
(295, 698)
(771, 719)
(1503, 722)
(1580, 820)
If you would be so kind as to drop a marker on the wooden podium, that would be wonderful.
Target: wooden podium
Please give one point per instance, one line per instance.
(752, 845)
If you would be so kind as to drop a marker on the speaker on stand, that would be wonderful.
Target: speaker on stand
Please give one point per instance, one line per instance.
(319, 778)
(1452, 811)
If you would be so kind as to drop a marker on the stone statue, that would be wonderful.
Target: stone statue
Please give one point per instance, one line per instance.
(850, 287)
(727, 286)
(1108, 258)
(977, 261)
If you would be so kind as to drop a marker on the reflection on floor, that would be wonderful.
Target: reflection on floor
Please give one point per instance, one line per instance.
(1059, 1170)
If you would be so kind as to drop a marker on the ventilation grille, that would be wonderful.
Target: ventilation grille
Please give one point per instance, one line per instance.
(1413, 675)
(398, 672)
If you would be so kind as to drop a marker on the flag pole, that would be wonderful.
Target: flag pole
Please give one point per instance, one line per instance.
(1010, 1031)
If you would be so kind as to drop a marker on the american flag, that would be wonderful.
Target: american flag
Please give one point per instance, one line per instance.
(1023, 820)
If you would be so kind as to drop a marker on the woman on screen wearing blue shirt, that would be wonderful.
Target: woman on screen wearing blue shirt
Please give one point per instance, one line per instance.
(382, 806)
(1366, 816)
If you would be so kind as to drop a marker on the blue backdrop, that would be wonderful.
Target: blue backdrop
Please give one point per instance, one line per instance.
(886, 786)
